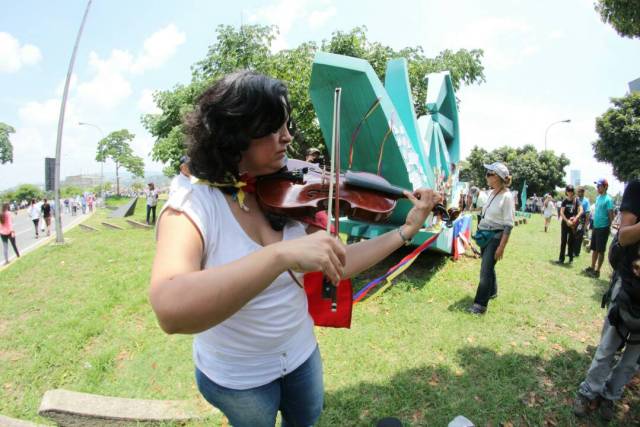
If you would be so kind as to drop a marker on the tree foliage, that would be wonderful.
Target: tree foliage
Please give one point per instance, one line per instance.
(6, 148)
(619, 137)
(115, 146)
(543, 171)
(623, 15)
(23, 192)
(249, 47)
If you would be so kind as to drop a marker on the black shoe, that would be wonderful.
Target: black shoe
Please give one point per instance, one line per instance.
(607, 409)
(588, 271)
(559, 262)
(477, 309)
(581, 405)
(595, 274)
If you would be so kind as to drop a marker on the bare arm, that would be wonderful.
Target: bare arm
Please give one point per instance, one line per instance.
(629, 232)
(187, 299)
(367, 253)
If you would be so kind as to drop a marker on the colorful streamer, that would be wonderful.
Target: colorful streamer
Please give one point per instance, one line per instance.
(396, 270)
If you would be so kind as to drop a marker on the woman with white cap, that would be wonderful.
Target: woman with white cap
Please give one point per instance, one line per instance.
(494, 228)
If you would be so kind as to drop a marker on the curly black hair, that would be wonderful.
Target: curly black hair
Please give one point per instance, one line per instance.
(237, 108)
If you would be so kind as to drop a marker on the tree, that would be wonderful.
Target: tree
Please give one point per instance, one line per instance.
(6, 149)
(138, 186)
(116, 147)
(27, 192)
(249, 47)
(623, 15)
(70, 191)
(619, 137)
(543, 171)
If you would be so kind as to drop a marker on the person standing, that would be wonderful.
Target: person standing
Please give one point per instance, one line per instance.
(549, 209)
(152, 202)
(570, 211)
(46, 215)
(583, 222)
(605, 380)
(225, 273)
(34, 214)
(7, 233)
(602, 218)
(496, 223)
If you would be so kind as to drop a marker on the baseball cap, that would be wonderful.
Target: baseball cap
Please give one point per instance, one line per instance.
(499, 168)
(570, 188)
(602, 181)
(184, 159)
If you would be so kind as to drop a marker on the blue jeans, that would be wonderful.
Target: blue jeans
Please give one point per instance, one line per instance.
(488, 285)
(299, 395)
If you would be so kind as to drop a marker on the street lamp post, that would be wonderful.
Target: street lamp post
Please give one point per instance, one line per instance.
(63, 104)
(101, 163)
(549, 127)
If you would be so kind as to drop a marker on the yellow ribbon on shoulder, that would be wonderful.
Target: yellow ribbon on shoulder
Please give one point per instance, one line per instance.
(239, 196)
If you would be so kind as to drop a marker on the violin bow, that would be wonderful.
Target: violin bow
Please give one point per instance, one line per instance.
(329, 290)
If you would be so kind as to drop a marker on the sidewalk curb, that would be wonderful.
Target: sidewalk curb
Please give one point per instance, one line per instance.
(46, 240)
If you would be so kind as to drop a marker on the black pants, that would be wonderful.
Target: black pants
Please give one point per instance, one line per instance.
(151, 209)
(579, 236)
(35, 224)
(567, 238)
(5, 245)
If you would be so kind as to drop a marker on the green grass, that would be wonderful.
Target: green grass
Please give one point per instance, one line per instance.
(77, 317)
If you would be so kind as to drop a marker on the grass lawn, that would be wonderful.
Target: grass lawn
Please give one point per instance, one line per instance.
(77, 317)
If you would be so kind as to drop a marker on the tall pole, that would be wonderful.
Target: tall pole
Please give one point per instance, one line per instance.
(56, 182)
(549, 127)
(102, 162)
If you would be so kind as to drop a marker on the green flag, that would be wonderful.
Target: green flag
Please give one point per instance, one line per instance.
(523, 196)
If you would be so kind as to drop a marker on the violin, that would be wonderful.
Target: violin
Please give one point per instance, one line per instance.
(301, 190)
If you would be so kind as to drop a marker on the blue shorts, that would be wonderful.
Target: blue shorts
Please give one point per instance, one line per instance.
(299, 395)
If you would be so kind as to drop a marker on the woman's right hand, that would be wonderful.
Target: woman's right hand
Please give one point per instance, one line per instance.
(315, 252)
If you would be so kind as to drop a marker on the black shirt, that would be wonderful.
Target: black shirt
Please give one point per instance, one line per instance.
(46, 210)
(631, 203)
(570, 207)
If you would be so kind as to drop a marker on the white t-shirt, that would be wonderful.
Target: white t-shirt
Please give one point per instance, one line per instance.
(549, 209)
(482, 199)
(152, 197)
(498, 212)
(34, 210)
(273, 333)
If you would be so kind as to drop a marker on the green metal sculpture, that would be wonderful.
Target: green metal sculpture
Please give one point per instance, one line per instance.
(381, 134)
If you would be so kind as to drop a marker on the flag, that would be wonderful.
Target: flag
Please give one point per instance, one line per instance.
(523, 196)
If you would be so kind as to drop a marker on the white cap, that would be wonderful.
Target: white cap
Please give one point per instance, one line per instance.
(499, 168)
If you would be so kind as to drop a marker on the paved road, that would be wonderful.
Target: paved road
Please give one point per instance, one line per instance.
(25, 232)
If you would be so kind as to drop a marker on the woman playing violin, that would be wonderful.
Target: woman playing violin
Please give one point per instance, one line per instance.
(220, 270)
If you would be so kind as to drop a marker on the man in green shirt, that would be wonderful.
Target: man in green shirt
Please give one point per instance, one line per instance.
(602, 218)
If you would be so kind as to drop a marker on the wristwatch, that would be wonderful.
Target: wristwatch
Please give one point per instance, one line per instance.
(407, 240)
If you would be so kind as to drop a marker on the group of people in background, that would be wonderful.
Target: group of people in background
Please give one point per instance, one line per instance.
(579, 217)
(81, 203)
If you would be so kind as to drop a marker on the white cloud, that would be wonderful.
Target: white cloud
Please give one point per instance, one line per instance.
(109, 87)
(40, 113)
(158, 48)
(146, 104)
(286, 13)
(491, 120)
(13, 56)
(506, 41)
(318, 18)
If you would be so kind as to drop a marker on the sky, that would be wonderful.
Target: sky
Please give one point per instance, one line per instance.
(544, 61)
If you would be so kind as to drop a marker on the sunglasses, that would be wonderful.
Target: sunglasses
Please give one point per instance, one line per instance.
(490, 174)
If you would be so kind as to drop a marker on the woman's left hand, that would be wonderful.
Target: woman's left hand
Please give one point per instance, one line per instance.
(423, 202)
(499, 253)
